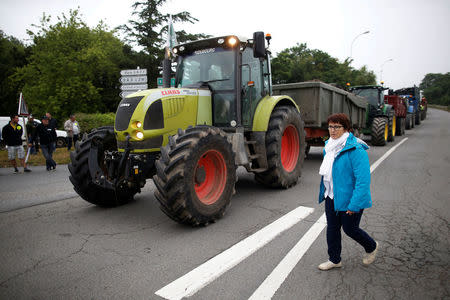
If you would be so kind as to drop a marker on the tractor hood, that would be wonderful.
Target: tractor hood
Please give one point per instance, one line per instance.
(148, 117)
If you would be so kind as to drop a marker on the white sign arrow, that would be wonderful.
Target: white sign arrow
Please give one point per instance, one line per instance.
(126, 93)
(132, 87)
(133, 79)
(133, 72)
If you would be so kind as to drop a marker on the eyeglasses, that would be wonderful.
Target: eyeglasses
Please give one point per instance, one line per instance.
(335, 127)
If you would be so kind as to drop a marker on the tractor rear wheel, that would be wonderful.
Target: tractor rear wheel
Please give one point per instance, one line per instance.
(80, 176)
(408, 122)
(418, 120)
(400, 130)
(392, 126)
(380, 131)
(195, 176)
(285, 147)
(413, 120)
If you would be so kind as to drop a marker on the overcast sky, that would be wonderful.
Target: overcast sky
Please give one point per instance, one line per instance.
(414, 34)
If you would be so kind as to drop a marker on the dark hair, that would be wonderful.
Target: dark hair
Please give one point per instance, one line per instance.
(13, 116)
(340, 119)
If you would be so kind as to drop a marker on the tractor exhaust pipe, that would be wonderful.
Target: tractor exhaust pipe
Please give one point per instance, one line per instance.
(167, 64)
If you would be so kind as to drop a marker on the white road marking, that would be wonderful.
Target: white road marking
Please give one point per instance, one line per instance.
(268, 288)
(204, 274)
(273, 282)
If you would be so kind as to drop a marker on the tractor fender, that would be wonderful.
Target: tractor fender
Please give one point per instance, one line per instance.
(387, 109)
(265, 108)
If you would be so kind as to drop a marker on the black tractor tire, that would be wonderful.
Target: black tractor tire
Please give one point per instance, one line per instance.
(400, 129)
(408, 122)
(285, 145)
(195, 176)
(379, 131)
(413, 120)
(392, 126)
(80, 175)
(418, 118)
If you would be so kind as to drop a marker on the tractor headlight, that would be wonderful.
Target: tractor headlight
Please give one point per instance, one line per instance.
(139, 135)
(137, 124)
(232, 41)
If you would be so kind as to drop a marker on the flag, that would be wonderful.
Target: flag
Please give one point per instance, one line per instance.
(23, 109)
(171, 35)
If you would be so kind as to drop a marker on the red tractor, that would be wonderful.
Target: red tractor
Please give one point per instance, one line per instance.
(400, 107)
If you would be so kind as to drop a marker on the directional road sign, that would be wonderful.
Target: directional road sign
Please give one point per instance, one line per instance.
(133, 72)
(133, 79)
(123, 94)
(133, 87)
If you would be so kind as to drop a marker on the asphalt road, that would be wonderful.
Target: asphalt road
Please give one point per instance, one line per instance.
(55, 245)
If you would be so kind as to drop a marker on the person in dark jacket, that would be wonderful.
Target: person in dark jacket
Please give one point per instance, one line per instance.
(47, 135)
(31, 132)
(53, 123)
(12, 135)
(345, 188)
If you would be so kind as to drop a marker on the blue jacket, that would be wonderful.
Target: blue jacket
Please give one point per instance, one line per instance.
(351, 177)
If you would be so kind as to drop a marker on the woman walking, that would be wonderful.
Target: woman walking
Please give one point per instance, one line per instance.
(345, 187)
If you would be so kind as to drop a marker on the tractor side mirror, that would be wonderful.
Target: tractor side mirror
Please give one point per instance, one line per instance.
(259, 47)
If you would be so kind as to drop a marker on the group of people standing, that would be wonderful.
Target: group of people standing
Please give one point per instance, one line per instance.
(39, 136)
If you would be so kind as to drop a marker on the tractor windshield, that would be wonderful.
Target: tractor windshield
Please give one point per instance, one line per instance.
(213, 66)
(371, 95)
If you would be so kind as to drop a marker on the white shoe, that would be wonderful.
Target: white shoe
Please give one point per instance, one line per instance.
(370, 257)
(329, 265)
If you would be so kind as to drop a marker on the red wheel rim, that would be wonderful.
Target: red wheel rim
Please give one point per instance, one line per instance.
(290, 148)
(210, 177)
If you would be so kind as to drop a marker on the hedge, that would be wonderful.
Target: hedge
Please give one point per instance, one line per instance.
(88, 122)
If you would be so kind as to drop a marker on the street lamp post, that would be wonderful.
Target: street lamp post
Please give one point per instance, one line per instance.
(381, 71)
(351, 47)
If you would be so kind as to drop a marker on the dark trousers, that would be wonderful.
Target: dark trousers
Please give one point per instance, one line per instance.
(69, 141)
(47, 151)
(350, 224)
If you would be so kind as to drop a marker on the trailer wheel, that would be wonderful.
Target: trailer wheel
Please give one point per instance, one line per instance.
(195, 176)
(400, 127)
(285, 145)
(380, 131)
(80, 175)
(392, 122)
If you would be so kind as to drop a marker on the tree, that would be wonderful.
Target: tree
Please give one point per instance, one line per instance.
(72, 68)
(299, 63)
(149, 31)
(12, 55)
(436, 88)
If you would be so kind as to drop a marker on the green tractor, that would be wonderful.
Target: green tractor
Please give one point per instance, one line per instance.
(380, 117)
(190, 139)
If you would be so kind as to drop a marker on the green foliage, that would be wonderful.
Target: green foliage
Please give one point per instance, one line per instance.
(300, 63)
(149, 31)
(436, 88)
(72, 68)
(88, 122)
(12, 55)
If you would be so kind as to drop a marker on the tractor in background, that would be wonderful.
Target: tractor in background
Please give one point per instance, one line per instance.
(381, 123)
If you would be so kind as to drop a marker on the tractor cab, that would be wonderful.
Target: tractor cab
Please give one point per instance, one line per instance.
(235, 70)
(373, 93)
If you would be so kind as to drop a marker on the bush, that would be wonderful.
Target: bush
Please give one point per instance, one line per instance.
(88, 122)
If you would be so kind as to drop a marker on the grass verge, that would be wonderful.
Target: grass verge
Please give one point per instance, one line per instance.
(61, 156)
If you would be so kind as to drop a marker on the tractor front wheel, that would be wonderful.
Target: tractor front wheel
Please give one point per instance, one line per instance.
(195, 176)
(380, 131)
(99, 140)
(285, 147)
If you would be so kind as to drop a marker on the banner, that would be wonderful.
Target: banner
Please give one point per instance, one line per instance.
(171, 35)
(23, 109)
